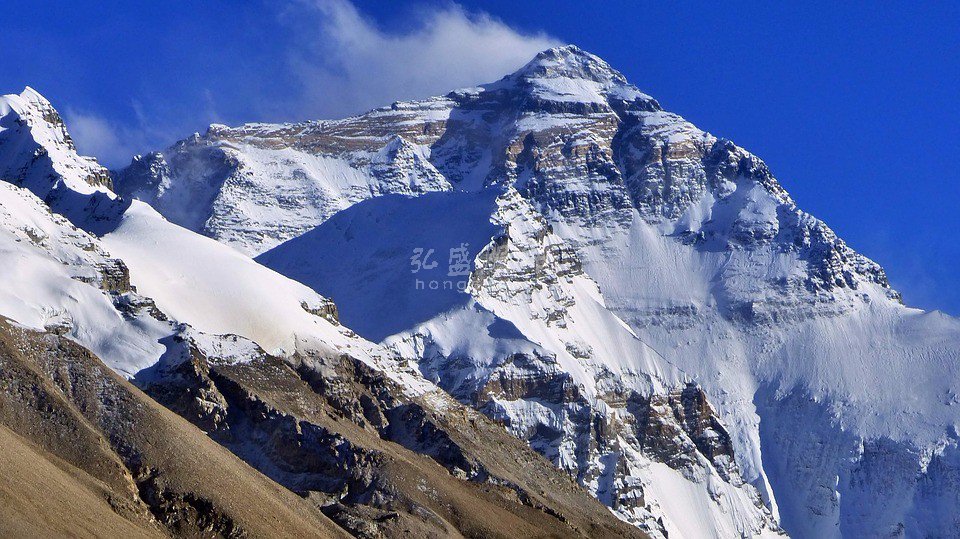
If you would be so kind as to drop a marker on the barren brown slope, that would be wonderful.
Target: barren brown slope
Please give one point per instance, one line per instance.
(382, 464)
(88, 454)
(41, 495)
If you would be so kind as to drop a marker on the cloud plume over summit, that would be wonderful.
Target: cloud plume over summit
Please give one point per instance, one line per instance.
(346, 63)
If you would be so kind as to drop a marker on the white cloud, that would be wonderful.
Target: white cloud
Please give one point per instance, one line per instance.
(347, 64)
(113, 145)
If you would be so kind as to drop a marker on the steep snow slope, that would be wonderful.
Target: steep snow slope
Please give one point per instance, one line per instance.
(216, 289)
(693, 244)
(371, 272)
(59, 278)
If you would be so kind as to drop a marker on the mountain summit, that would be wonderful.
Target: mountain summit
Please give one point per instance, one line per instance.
(571, 75)
(571, 63)
(34, 134)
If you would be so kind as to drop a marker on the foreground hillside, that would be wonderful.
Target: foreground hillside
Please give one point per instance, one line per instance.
(87, 453)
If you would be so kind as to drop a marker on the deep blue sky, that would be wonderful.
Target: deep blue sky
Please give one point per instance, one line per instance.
(854, 107)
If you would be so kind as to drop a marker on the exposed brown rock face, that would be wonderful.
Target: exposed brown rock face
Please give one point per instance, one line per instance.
(680, 428)
(115, 277)
(332, 430)
(556, 387)
(327, 310)
(701, 421)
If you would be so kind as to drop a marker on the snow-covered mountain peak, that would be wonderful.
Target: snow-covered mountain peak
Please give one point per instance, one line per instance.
(39, 154)
(568, 74)
(27, 103)
(570, 61)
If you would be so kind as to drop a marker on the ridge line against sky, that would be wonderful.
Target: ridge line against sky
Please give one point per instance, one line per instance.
(854, 110)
